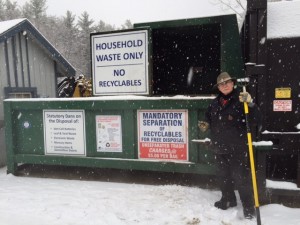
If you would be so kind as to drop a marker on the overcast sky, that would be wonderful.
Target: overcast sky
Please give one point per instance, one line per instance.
(116, 12)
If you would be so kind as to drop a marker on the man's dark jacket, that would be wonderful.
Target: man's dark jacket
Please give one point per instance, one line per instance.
(228, 122)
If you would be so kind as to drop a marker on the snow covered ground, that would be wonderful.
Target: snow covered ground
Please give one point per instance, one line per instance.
(48, 201)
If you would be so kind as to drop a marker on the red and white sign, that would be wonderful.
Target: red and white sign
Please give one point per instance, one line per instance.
(282, 105)
(162, 134)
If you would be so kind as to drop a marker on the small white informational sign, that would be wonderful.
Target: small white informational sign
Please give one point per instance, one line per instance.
(64, 132)
(282, 105)
(109, 133)
(120, 63)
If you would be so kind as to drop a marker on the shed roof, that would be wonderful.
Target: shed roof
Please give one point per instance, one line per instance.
(10, 28)
(283, 19)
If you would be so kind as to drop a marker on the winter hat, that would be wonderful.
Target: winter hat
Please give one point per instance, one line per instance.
(224, 76)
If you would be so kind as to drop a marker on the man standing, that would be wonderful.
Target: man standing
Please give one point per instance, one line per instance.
(226, 119)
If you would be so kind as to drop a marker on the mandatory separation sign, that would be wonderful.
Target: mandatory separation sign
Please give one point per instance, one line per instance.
(162, 134)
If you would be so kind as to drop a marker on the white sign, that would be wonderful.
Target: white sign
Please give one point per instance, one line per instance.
(162, 134)
(64, 132)
(120, 63)
(109, 133)
(282, 105)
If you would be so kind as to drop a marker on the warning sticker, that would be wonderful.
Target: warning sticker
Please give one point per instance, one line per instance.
(283, 92)
(282, 105)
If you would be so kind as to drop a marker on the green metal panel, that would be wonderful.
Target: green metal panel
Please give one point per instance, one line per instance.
(231, 53)
(232, 60)
(24, 118)
(25, 133)
(28, 140)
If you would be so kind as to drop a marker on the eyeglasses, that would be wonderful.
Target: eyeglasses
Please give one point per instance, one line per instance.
(224, 83)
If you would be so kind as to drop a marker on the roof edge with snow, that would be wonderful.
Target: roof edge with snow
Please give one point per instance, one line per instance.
(283, 19)
(12, 27)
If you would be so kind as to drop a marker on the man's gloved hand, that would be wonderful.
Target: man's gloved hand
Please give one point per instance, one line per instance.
(203, 126)
(245, 97)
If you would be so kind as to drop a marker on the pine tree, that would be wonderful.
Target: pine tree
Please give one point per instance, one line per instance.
(102, 27)
(2, 10)
(86, 27)
(11, 10)
(38, 11)
(26, 11)
(69, 37)
(127, 25)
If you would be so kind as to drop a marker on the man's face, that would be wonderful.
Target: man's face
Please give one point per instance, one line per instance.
(226, 87)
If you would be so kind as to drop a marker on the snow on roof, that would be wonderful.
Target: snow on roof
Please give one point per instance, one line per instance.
(283, 19)
(6, 25)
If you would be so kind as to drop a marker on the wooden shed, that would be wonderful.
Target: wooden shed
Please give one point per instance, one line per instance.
(29, 65)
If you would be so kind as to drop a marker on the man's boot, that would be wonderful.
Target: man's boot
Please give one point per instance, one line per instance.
(226, 202)
(249, 212)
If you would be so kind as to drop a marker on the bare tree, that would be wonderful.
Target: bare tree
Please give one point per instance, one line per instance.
(236, 6)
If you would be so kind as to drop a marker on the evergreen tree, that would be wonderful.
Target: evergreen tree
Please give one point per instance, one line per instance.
(69, 37)
(102, 27)
(2, 10)
(26, 11)
(127, 25)
(38, 8)
(86, 27)
(85, 24)
(11, 10)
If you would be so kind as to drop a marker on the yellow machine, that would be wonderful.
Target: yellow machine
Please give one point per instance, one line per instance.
(83, 87)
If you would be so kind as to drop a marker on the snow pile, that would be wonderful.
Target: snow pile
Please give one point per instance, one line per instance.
(42, 201)
(283, 19)
(281, 185)
(262, 143)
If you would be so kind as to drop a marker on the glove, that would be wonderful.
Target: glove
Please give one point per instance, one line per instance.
(203, 126)
(245, 97)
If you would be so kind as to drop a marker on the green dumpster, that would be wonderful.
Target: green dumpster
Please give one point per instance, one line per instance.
(151, 85)
(143, 133)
